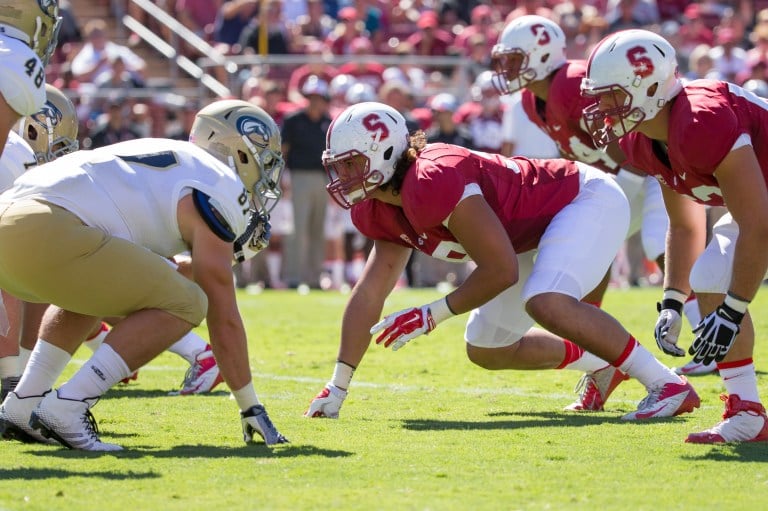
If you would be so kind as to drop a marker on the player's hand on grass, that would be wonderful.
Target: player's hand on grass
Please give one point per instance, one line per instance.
(327, 403)
(256, 423)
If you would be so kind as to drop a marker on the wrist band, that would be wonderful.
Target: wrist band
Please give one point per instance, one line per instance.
(440, 310)
(671, 293)
(736, 303)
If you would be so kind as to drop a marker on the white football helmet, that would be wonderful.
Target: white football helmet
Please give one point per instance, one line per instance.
(362, 147)
(529, 49)
(246, 138)
(52, 131)
(631, 74)
(36, 22)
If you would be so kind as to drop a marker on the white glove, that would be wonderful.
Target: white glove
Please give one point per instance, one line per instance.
(670, 322)
(327, 403)
(256, 420)
(407, 324)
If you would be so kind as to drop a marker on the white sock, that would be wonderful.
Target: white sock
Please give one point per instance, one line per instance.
(93, 343)
(741, 381)
(100, 372)
(24, 355)
(46, 363)
(246, 397)
(9, 366)
(342, 375)
(587, 363)
(644, 367)
(189, 346)
(691, 312)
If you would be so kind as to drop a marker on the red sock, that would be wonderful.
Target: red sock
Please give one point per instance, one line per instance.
(631, 343)
(573, 352)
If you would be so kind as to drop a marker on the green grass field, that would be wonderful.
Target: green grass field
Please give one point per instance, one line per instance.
(422, 429)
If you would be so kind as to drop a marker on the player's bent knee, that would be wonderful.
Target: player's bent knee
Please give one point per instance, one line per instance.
(711, 273)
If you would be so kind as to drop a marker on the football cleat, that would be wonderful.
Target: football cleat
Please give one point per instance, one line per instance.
(256, 420)
(695, 369)
(202, 376)
(14, 419)
(594, 389)
(743, 421)
(70, 422)
(666, 400)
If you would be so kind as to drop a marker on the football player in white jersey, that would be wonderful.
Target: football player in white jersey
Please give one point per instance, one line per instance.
(115, 216)
(28, 34)
(40, 138)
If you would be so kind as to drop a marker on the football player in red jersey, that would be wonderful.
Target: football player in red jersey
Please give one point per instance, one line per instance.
(530, 57)
(528, 225)
(705, 141)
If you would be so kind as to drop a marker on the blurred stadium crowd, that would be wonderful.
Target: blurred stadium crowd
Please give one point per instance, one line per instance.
(429, 59)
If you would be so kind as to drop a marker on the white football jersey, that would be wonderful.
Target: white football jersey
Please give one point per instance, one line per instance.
(131, 189)
(17, 157)
(23, 76)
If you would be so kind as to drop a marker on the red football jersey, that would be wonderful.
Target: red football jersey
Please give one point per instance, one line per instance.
(560, 116)
(525, 194)
(705, 121)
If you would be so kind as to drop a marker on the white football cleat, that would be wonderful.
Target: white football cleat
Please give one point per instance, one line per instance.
(14, 419)
(695, 369)
(70, 422)
(202, 376)
(743, 421)
(667, 400)
(594, 389)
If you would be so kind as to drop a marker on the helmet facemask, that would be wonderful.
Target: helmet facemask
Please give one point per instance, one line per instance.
(611, 116)
(351, 179)
(512, 72)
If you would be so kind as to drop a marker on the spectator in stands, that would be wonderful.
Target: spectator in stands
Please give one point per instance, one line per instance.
(117, 76)
(693, 32)
(317, 55)
(729, 59)
(624, 15)
(303, 136)
(365, 70)
(112, 126)
(198, 16)
(700, 64)
(626, 12)
(348, 29)
(430, 39)
(526, 7)
(315, 25)
(444, 129)
(373, 14)
(484, 21)
(483, 115)
(582, 24)
(231, 19)
(96, 55)
(278, 37)
(69, 28)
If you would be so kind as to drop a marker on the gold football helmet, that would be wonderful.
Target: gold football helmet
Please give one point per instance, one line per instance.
(36, 22)
(246, 138)
(52, 131)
